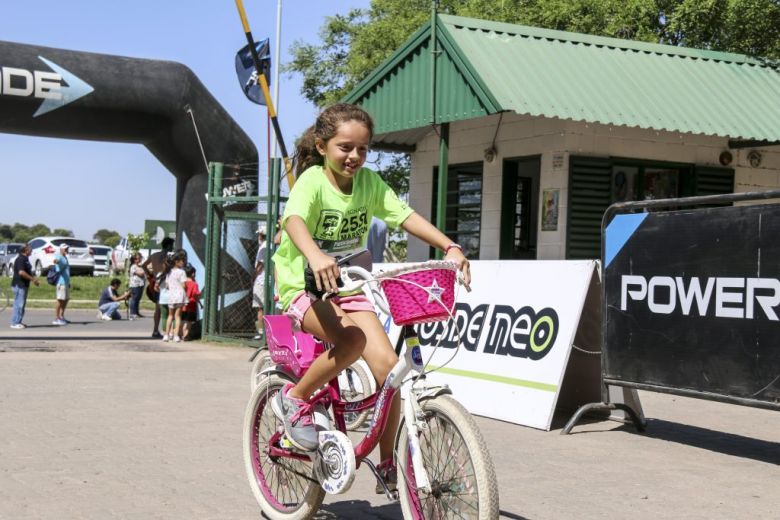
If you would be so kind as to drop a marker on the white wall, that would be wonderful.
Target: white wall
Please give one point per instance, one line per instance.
(520, 136)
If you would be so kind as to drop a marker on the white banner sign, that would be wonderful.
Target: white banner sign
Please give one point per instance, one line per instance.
(516, 326)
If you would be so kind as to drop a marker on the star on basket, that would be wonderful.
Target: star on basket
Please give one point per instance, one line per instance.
(434, 292)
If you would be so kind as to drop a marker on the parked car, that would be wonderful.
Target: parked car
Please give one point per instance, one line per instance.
(120, 257)
(44, 249)
(102, 256)
(8, 254)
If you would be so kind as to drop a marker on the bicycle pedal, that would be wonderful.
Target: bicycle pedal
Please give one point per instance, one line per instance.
(285, 443)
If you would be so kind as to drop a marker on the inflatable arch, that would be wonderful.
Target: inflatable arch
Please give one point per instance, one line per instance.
(80, 95)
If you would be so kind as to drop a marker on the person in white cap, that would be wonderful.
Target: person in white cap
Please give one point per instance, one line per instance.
(62, 266)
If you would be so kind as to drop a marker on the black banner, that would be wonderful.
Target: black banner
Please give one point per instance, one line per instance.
(692, 302)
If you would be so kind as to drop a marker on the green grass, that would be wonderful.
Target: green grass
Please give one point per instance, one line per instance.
(86, 288)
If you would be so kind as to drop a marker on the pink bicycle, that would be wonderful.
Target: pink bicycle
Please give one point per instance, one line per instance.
(444, 468)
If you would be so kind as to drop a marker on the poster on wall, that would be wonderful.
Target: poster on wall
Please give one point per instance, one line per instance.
(550, 209)
(505, 353)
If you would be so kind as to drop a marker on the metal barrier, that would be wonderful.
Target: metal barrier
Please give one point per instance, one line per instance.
(231, 248)
(690, 300)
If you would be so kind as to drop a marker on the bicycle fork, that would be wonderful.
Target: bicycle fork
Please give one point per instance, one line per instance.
(413, 414)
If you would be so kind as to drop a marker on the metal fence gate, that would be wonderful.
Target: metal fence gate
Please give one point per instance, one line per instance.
(231, 249)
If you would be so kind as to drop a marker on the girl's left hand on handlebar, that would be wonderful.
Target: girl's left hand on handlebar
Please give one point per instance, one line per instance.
(457, 256)
(326, 273)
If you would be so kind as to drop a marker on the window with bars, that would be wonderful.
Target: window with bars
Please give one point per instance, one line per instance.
(463, 216)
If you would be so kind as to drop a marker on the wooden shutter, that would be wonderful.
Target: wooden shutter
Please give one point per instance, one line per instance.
(713, 181)
(589, 196)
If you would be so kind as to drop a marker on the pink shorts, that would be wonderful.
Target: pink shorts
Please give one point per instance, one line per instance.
(303, 302)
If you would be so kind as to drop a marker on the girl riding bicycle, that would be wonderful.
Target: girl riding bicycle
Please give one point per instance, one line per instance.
(327, 217)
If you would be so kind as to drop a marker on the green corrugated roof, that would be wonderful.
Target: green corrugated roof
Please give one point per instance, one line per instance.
(487, 67)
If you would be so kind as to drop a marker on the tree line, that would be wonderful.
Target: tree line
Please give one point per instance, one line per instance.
(22, 233)
(353, 44)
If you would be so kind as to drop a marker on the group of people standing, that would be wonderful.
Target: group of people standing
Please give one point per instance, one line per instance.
(23, 276)
(172, 287)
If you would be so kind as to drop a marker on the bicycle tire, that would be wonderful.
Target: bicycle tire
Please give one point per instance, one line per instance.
(459, 466)
(359, 387)
(5, 300)
(285, 488)
(261, 362)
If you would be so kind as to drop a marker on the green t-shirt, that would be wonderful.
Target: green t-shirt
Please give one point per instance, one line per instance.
(338, 223)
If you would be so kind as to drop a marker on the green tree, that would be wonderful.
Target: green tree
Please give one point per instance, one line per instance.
(62, 232)
(136, 242)
(112, 241)
(24, 233)
(6, 233)
(394, 169)
(352, 45)
(102, 236)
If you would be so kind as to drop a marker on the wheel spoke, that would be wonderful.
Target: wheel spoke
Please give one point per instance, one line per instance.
(450, 470)
(285, 483)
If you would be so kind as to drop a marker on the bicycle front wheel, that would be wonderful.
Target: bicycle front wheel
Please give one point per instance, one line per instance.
(285, 488)
(460, 470)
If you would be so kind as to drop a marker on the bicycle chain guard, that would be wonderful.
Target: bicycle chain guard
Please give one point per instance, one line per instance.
(334, 462)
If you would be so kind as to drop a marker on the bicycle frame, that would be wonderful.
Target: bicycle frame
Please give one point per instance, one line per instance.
(381, 400)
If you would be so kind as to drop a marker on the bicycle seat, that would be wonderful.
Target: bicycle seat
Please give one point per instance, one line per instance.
(293, 349)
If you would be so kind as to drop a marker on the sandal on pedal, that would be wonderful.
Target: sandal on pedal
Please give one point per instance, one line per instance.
(389, 475)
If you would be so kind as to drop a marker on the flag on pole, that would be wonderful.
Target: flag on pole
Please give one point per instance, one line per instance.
(247, 75)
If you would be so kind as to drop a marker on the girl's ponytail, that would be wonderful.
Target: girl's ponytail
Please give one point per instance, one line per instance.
(306, 153)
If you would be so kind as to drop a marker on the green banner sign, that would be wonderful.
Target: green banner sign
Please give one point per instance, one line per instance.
(157, 230)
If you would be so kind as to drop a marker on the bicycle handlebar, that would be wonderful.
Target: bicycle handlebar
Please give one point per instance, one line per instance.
(352, 278)
(361, 278)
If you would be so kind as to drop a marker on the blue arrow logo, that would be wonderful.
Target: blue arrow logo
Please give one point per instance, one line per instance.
(76, 88)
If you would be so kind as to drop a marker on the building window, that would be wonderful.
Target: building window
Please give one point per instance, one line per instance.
(464, 206)
(597, 182)
(641, 182)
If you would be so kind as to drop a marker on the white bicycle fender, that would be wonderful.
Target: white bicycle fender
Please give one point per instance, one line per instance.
(434, 391)
(275, 369)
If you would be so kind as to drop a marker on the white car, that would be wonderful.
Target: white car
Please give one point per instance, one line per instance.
(8, 254)
(120, 256)
(44, 249)
(102, 256)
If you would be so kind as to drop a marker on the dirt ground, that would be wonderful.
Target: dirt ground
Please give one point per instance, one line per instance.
(99, 421)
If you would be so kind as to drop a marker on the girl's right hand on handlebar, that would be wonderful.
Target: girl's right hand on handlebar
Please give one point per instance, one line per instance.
(457, 256)
(326, 273)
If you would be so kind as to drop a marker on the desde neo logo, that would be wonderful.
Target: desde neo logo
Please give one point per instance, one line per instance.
(522, 333)
(56, 89)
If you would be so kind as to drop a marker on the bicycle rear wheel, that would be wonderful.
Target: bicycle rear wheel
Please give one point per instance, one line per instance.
(458, 463)
(285, 488)
(354, 385)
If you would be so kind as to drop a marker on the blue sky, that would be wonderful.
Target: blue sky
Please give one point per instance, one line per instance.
(107, 185)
